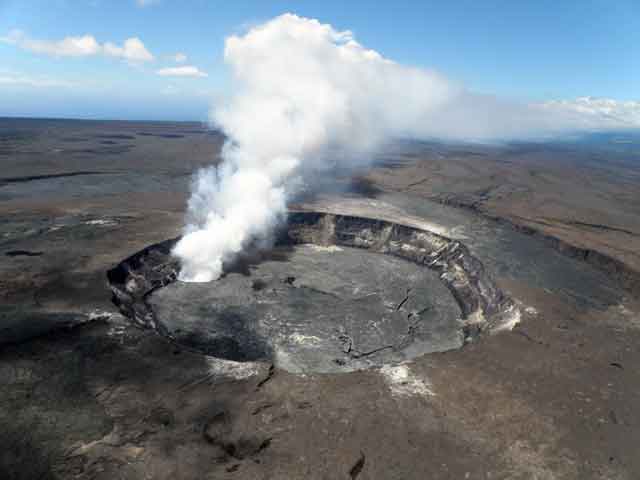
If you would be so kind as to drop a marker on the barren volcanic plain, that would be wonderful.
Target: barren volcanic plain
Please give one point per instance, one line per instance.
(452, 311)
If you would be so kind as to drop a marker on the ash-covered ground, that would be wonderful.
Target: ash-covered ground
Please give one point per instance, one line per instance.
(86, 393)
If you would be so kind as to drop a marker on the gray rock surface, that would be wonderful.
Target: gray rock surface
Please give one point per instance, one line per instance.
(315, 309)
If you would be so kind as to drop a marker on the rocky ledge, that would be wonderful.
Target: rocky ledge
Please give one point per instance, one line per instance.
(483, 306)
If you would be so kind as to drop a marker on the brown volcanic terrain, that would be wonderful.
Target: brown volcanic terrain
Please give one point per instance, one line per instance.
(86, 394)
(589, 199)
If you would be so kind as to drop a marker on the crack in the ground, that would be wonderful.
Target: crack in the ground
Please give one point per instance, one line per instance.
(349, 349)
(261, 408)
(418, 182)
(30, 178)
(577, 223)
(22, 253)
(404, 300)
(356, 355)
(269, 376)
(320, 291)
(357, 467)
(412, 329)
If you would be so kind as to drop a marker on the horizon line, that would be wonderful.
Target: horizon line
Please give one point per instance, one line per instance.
(105, 119)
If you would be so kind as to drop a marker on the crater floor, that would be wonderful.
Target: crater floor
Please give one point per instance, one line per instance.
(313, 308)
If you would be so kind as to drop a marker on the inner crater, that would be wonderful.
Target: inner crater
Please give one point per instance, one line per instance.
(315, 308)
(335, 293)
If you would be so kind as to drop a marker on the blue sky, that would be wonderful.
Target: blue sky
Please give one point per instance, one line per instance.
(535, 50)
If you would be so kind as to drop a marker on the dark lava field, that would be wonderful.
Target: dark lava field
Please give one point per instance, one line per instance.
(450, 312)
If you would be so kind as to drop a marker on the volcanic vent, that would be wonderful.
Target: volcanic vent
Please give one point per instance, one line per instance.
(336, 293)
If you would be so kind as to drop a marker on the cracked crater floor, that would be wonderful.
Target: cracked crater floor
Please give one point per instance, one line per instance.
(315, 309)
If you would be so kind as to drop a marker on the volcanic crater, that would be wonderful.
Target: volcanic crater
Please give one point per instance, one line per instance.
(336, 293)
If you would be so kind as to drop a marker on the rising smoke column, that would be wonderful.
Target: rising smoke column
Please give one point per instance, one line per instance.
(305, 95)
(302, 90)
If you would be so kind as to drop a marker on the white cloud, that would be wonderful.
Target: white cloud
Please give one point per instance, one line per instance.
(179, 57)
(184, 71)
(592, 112)
(67, 47)
(145, 3)
(133, 50)
(22, 80)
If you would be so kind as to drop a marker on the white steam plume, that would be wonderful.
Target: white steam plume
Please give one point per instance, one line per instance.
(307, 94)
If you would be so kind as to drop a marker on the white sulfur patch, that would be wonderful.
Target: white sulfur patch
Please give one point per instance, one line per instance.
(327, 249)
(507, 319)
(475, 318)
(99, 315)
(510, 318)
(229, 368)
(435, 228)
(101, 222)
(402, 382)
(301, 339)
(116, 331)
